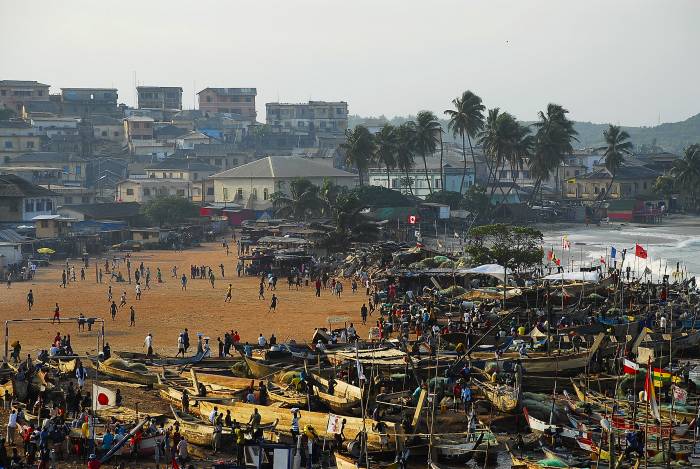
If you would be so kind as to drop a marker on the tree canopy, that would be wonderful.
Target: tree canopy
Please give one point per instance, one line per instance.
(515, 247)
(169, 210)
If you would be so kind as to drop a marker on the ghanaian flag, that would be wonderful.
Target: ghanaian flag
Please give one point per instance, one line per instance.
(662, 377)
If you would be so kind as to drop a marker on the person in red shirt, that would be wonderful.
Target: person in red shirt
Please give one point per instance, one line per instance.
(93, 462)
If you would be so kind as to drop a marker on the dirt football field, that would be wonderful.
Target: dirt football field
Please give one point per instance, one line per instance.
(166, 309)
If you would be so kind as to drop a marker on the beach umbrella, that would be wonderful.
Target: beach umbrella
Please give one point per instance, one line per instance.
(45, 251)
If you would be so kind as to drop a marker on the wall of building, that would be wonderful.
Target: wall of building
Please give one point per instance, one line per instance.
(148, 189)
(240, 190)
(14, 96)
(211, 101)
(114, 133)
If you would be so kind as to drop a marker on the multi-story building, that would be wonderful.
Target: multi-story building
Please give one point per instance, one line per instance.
(159, 97)
(239, 101)
(108, 128)
(17, 137)
(630, 182)
(15, 93)
(314, 117)
(187, 169)
(20, 200)
(138, 128)
(73, 168)
(89, 101)
(142, 190)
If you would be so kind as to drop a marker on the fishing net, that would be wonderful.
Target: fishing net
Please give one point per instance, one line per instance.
(126, 366)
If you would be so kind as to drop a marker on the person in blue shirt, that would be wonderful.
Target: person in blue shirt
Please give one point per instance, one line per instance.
(466, 398)
(248, 350)
(107, 440)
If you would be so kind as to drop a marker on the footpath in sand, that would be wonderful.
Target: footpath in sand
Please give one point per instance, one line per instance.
(165, 309)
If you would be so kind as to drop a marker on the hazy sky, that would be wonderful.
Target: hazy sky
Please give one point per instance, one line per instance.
(620, 61)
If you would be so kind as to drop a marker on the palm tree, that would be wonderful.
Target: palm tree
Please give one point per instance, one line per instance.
(350, 223)
(553, 138)
(466, 120)
(428, 131)
(686, 172)
(405, 150)
(304, 200)
(503, 140)
(359, 148)
(618, 145)
(385, 149)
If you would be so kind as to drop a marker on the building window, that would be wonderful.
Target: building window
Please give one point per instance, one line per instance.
(210, 191)
(235, 162)
(116, 134)
(8, 144)
(265, 193)
(208, 99)
(181, 175)
(195, 176)
(85, 199)
(165, 176)
(3, 92)
(69, 200)
(339, 111)
(39, 206)
(645, 185)
(30, 144)
(396, 183)
(217, 161)
(438, 183)
(239, 193)
(526, 174)
(503, 174)
(28, 205)
(225, 194)
(44, 223)
(78, 170)
(129, 192)
(147, 192)
(255, 193)
(180, 192)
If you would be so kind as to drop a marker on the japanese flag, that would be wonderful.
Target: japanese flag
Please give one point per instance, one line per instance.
(103, 398)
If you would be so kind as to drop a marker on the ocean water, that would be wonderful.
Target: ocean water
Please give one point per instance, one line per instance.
(675, 244)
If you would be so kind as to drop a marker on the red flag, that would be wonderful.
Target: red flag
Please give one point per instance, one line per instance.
(640, 251)
(629, 367)
(174, 464)
(550, 255)
(602, 260)
(557, 261)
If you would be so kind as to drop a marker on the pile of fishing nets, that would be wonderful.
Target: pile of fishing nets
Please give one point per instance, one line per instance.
(122, 364)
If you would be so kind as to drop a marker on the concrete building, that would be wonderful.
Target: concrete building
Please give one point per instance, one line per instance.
(190, 139)
(14, 94)
(21, 201)
(52, 226)
(223, 155)
(72, 194)
(124, 211)
(252, 184)
(52, 126)
(143, 190)
(180, 168)
(630, 182)
(238, 101)
(159, 97)
(17, 137)
(73, 168)
(82, 102)
(41, 175)
(138, 128)
(314, 117)
(415, 182)
(108, 128)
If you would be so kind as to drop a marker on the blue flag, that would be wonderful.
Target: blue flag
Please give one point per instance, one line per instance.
(613, 252)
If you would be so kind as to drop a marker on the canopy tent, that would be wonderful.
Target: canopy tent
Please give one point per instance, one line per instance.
(493, 270)
(575, 276)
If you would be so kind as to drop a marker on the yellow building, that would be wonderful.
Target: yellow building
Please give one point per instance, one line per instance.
(630, 182)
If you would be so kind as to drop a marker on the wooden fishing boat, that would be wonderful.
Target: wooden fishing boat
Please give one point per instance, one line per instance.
(318, 420)
(560, 362)
(192, 429)
(451, 451)
(345, 462)
(127, 375)
(66, 366)
(337, 404)
(286, 396)
(503, 397)
(342, 388)
(174, 395)
(217, 381)
(264, 369)
(538, 425)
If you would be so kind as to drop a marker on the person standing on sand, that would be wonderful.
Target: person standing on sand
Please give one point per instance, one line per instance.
(273, 304)
(221, 266)
(211, 277)
(113, 310)
(122, 300)
(109, 293)
(183, 281)
(261, 291)
(228, 294)
(132, 316)
(148, 343)
(138, 291)
(30, 299)
(56, 314)
(63, 279)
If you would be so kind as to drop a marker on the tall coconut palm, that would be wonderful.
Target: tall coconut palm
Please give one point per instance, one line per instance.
(385, 149)
(427, 136)
(405, 150)
(686, 173)
(553, 138)
(503, 140)
(359, 149)
(618, 145)
(466, 120)
(304, 200)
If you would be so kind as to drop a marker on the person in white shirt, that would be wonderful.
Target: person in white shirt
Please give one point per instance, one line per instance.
(11, 427)
(662, 323)
(148, 343)
(262, 341)
(213, 414)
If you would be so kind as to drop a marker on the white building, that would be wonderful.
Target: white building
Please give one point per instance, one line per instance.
(252, 184)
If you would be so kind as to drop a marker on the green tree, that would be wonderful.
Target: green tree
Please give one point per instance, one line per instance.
(428, 132)
(304, 201)
(350, 223)
(514, 247)
(451, 198)
(466, 120)
(385, 149)
(475, 200)
(169, 210)
(405, 152)
(618, 145)
(359, 149)
(553, 138)
(686, 175)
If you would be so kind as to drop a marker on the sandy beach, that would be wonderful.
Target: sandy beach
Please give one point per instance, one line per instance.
(165, 310)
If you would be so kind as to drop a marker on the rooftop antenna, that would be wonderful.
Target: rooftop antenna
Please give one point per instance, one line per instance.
(194, 94)
(134, 90)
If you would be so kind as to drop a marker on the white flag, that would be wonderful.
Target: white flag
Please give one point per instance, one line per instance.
(679, 394)
(103, 398)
